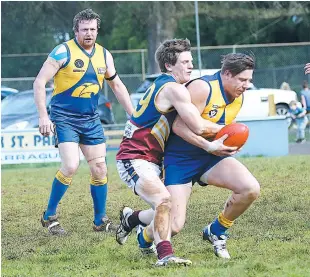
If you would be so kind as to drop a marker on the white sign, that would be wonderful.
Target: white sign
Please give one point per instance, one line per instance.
(27, 146)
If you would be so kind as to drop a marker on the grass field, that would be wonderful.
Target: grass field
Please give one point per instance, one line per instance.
(270, 239)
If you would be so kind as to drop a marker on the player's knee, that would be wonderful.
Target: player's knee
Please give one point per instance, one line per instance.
(176, 227)
(165, 203)
(99, 169)
(69, 169)
(253, 191)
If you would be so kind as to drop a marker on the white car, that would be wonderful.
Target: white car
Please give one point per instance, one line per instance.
(255, 102)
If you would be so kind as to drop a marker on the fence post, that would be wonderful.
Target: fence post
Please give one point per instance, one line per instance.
(234, 48)
(105, 88)
(142, 64)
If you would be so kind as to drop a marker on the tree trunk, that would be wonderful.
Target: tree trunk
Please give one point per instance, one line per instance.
(161, 27)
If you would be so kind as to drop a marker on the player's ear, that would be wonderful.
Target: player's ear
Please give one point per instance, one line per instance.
(227, 74)
(168, 67)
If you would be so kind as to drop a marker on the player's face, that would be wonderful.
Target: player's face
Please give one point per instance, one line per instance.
(87, 33)
(236, 85)
(182, 70)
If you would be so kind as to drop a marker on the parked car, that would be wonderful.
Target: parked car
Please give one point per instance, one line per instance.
(135, 97)
(5, 91)
(18, 111)
(255, 99)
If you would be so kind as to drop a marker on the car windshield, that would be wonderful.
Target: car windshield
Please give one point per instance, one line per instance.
(18, 104)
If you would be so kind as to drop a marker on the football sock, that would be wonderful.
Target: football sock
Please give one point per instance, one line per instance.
(133, 220)
(59, 187)
(144, 240)
(164, 249)
(220, 225)
(99, 190)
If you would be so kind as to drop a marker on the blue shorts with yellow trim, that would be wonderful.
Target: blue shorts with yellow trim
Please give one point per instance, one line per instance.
(183, 169)
(87, 133)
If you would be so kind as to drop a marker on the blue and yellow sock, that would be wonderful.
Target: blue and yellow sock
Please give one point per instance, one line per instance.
(99, 190)
(220, 225)
(59, 187)
(144, 240)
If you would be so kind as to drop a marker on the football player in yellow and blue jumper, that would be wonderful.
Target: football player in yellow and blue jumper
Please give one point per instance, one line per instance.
(218, 98)
(79, 68)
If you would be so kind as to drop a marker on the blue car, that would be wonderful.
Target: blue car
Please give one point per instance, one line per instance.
(18, 111)
(5, 91)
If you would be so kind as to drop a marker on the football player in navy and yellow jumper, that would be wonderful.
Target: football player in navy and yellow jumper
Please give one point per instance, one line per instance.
(219, 99)
(79, 68)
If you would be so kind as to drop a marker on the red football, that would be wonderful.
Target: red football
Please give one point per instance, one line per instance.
(238, 134)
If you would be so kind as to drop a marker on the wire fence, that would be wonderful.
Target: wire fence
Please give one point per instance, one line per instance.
(275, 64)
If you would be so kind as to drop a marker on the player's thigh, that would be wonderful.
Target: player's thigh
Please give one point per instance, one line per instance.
(180, 195)
(231, 174)
(149, 185)
(70, 156)
(95, 156)
(143, 178)
(92, 152)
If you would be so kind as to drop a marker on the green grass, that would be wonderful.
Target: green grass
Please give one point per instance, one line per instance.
(270, 239)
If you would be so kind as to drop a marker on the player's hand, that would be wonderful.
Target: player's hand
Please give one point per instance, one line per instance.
(307, 68)
(217, 147)
(46, 126)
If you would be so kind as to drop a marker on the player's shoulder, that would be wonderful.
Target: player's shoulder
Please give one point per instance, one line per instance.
(59, 52)
(174, 87)
(198, 86)
(197, 83)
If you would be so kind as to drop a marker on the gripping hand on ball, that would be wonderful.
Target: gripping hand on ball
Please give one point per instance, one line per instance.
(217, 147)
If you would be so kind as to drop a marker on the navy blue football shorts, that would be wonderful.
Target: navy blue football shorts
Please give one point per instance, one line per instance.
(183, 169)
(87, 133)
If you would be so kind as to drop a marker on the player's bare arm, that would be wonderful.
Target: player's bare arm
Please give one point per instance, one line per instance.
(117, 85)
(177, 96)
(215, 147)
(307, 68)
(47, 72)
(199, 92)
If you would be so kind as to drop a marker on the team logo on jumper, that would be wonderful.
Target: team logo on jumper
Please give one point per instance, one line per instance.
(79, 63)
(86, 90)
(101, 70)
(212, 113)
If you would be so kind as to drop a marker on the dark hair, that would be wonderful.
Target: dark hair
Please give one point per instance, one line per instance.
(85, 15)
(237, 62)
(305, 84)
(168, 52)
